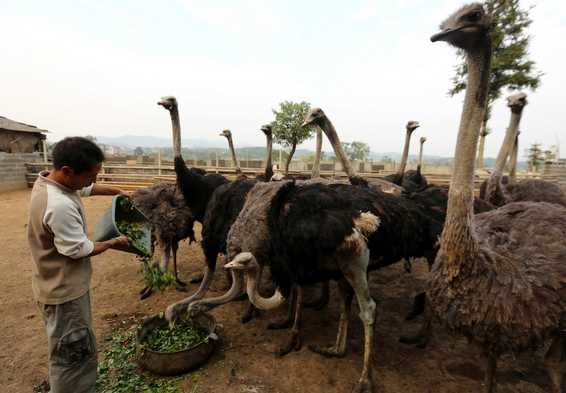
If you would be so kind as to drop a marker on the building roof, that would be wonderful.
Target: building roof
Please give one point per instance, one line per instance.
(11, 125)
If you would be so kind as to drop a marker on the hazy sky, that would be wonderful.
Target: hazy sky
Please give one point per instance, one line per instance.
(99, 67)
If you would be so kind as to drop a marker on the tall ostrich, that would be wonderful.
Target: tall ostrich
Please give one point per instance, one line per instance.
(413, 180)
(493, 191)
(268, 173)
(499, 277)
(500, 190)
(402, 178)
(316, 116)
(228, 135)
(171, 221)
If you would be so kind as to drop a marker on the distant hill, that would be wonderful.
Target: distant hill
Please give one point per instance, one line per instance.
(153, 141)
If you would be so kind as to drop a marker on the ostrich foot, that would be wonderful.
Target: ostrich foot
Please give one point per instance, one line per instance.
(329, 352)
(196, 279)
(294, 344)
(364, 386)
(418, 340)
(250, 313)
(146, 292)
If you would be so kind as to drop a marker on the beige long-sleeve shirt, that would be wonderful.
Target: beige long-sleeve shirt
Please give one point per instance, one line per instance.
(58, 242)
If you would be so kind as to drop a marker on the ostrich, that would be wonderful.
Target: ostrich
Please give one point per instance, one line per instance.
(500, 190)
(228, 135)
(414, 180)
(268, 174)
(171, 221)
(499, 277)
(409, 181)
(316, 116)
(513, 160)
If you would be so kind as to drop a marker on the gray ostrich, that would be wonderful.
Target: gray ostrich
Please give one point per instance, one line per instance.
(500, 190)
(171, 221)
(499, 277)
(228, 135)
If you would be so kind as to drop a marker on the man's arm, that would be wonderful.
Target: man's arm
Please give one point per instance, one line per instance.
(100, 247)
(99, 189)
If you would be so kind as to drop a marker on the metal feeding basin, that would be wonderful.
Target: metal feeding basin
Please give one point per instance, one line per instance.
(174, 363)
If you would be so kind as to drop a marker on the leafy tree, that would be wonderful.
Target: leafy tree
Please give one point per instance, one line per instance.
(287, 128)
(534, 154)
(511, 69)
(356, 150)
(138, 151)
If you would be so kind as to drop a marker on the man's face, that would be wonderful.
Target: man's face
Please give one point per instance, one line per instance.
(78, 181)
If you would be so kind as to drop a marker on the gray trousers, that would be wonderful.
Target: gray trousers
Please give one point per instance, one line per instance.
(72, 346)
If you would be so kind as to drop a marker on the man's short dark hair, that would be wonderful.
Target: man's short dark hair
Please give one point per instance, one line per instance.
(78, 153)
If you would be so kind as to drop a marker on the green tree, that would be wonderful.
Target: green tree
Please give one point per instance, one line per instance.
(511, 69)
(287, 128)
(356, 150)
(535, 156)
(138, 151)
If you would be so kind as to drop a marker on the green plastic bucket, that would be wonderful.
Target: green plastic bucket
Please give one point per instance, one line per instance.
(122, 210)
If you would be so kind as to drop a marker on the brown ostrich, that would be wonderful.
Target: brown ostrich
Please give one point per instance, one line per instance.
(171, 221)
(499, 277)
(228, 135)
(500, 190)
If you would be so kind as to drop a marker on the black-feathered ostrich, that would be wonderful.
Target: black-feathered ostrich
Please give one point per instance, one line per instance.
(499, 277)
(171, 221)
(228, 135)
(409, 180)
(414, 179)
(268, 173)
(499, 189)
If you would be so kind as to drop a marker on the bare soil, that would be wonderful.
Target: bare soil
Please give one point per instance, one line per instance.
(245, 362)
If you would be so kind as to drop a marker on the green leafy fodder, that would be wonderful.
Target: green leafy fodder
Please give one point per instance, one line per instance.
(154, 276)
(183, 336)
(118, 372)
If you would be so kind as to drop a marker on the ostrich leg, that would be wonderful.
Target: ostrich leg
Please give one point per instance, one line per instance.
(339, 348)
(294, 342)
(180, 285)
(489, 379)
(286, 322)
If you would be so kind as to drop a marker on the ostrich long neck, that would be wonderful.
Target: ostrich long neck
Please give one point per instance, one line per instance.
(268, 164)
(316, 165)
(332, 136)
(405, 155)
(457, 240)
(176, 124)
(232, 294)
(255, 297)
(233, 151)
(420, 157)
(513, 161)
(506, 148)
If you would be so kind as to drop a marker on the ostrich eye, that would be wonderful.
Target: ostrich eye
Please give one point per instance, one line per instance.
(474, 16)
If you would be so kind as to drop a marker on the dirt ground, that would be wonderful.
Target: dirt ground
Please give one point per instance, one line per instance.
(245, 362)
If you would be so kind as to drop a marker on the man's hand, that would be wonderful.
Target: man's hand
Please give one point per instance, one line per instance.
(127, 194)
(120, 241)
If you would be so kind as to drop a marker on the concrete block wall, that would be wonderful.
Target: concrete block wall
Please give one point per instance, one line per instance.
(13, 169)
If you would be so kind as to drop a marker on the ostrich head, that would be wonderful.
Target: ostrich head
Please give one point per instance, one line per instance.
(168, 102)
(412, 125)
(517, 102)
(226, 133)
(423, 139)
(266, 129)
(466, 28)
(314, 117)
(242, 261)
